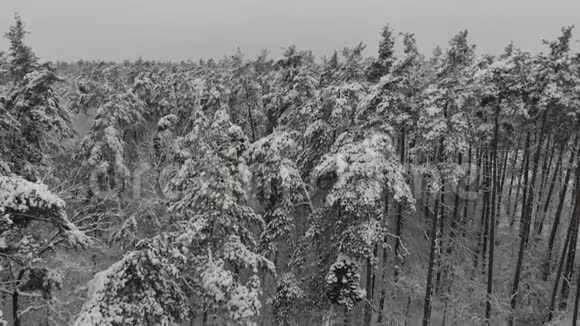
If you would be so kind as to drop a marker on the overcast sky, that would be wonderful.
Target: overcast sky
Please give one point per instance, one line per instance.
(193, 29)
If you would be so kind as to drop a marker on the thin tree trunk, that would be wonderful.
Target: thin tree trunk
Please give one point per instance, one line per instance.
(542, 217)
(399, 217)
(525, 188)
(500, 180)
(433, 244)
(525, 223)
(430, 270)
(526, 219)
(510, 190)
(559, 210)
(547, 162)
(467, 191)
(502, 175)
(569, 259)
(572, 247)
(440, 237)
(544, 176)
(370, 280)
(378, 285)
(499, 192)
(479, 162)
(454, 223)
(485, 212)
(494, 191)
(383, 296)
(479, 233)
(559, 273)
(523, 169)
(432, 253)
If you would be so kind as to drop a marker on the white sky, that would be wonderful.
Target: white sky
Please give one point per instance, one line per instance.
(193, 29)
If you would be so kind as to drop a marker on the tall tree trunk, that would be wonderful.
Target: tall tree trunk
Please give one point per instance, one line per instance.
(378, 285)
(541, 218)
(526, 216)
(454, 224)
(559, 272)
(499, 191)
(494, 191)
(512, 177)
(370, 286)
(441, 236)
(485, 210)
(383, 295)
(559, 209)
(467, 192)
(502, 175)
(478, 173)
(573, 242)
(399, 217)
(544, 176)
(431, 268)
(432, 251)
(523, 170)
(479, 232)
(547, 161)
(525, 188)
(569, 254)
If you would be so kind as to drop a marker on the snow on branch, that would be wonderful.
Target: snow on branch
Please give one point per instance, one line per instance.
(22, 201)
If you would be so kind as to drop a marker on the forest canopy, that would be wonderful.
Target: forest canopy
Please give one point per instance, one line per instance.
(344, 190)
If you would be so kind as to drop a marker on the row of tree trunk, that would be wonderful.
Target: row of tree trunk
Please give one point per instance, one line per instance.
(524, 183)
(538, 173)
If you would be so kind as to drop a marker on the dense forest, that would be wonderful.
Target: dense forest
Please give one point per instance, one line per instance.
(398, 189)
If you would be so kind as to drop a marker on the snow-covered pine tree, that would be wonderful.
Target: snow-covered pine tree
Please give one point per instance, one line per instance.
(359, 172)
